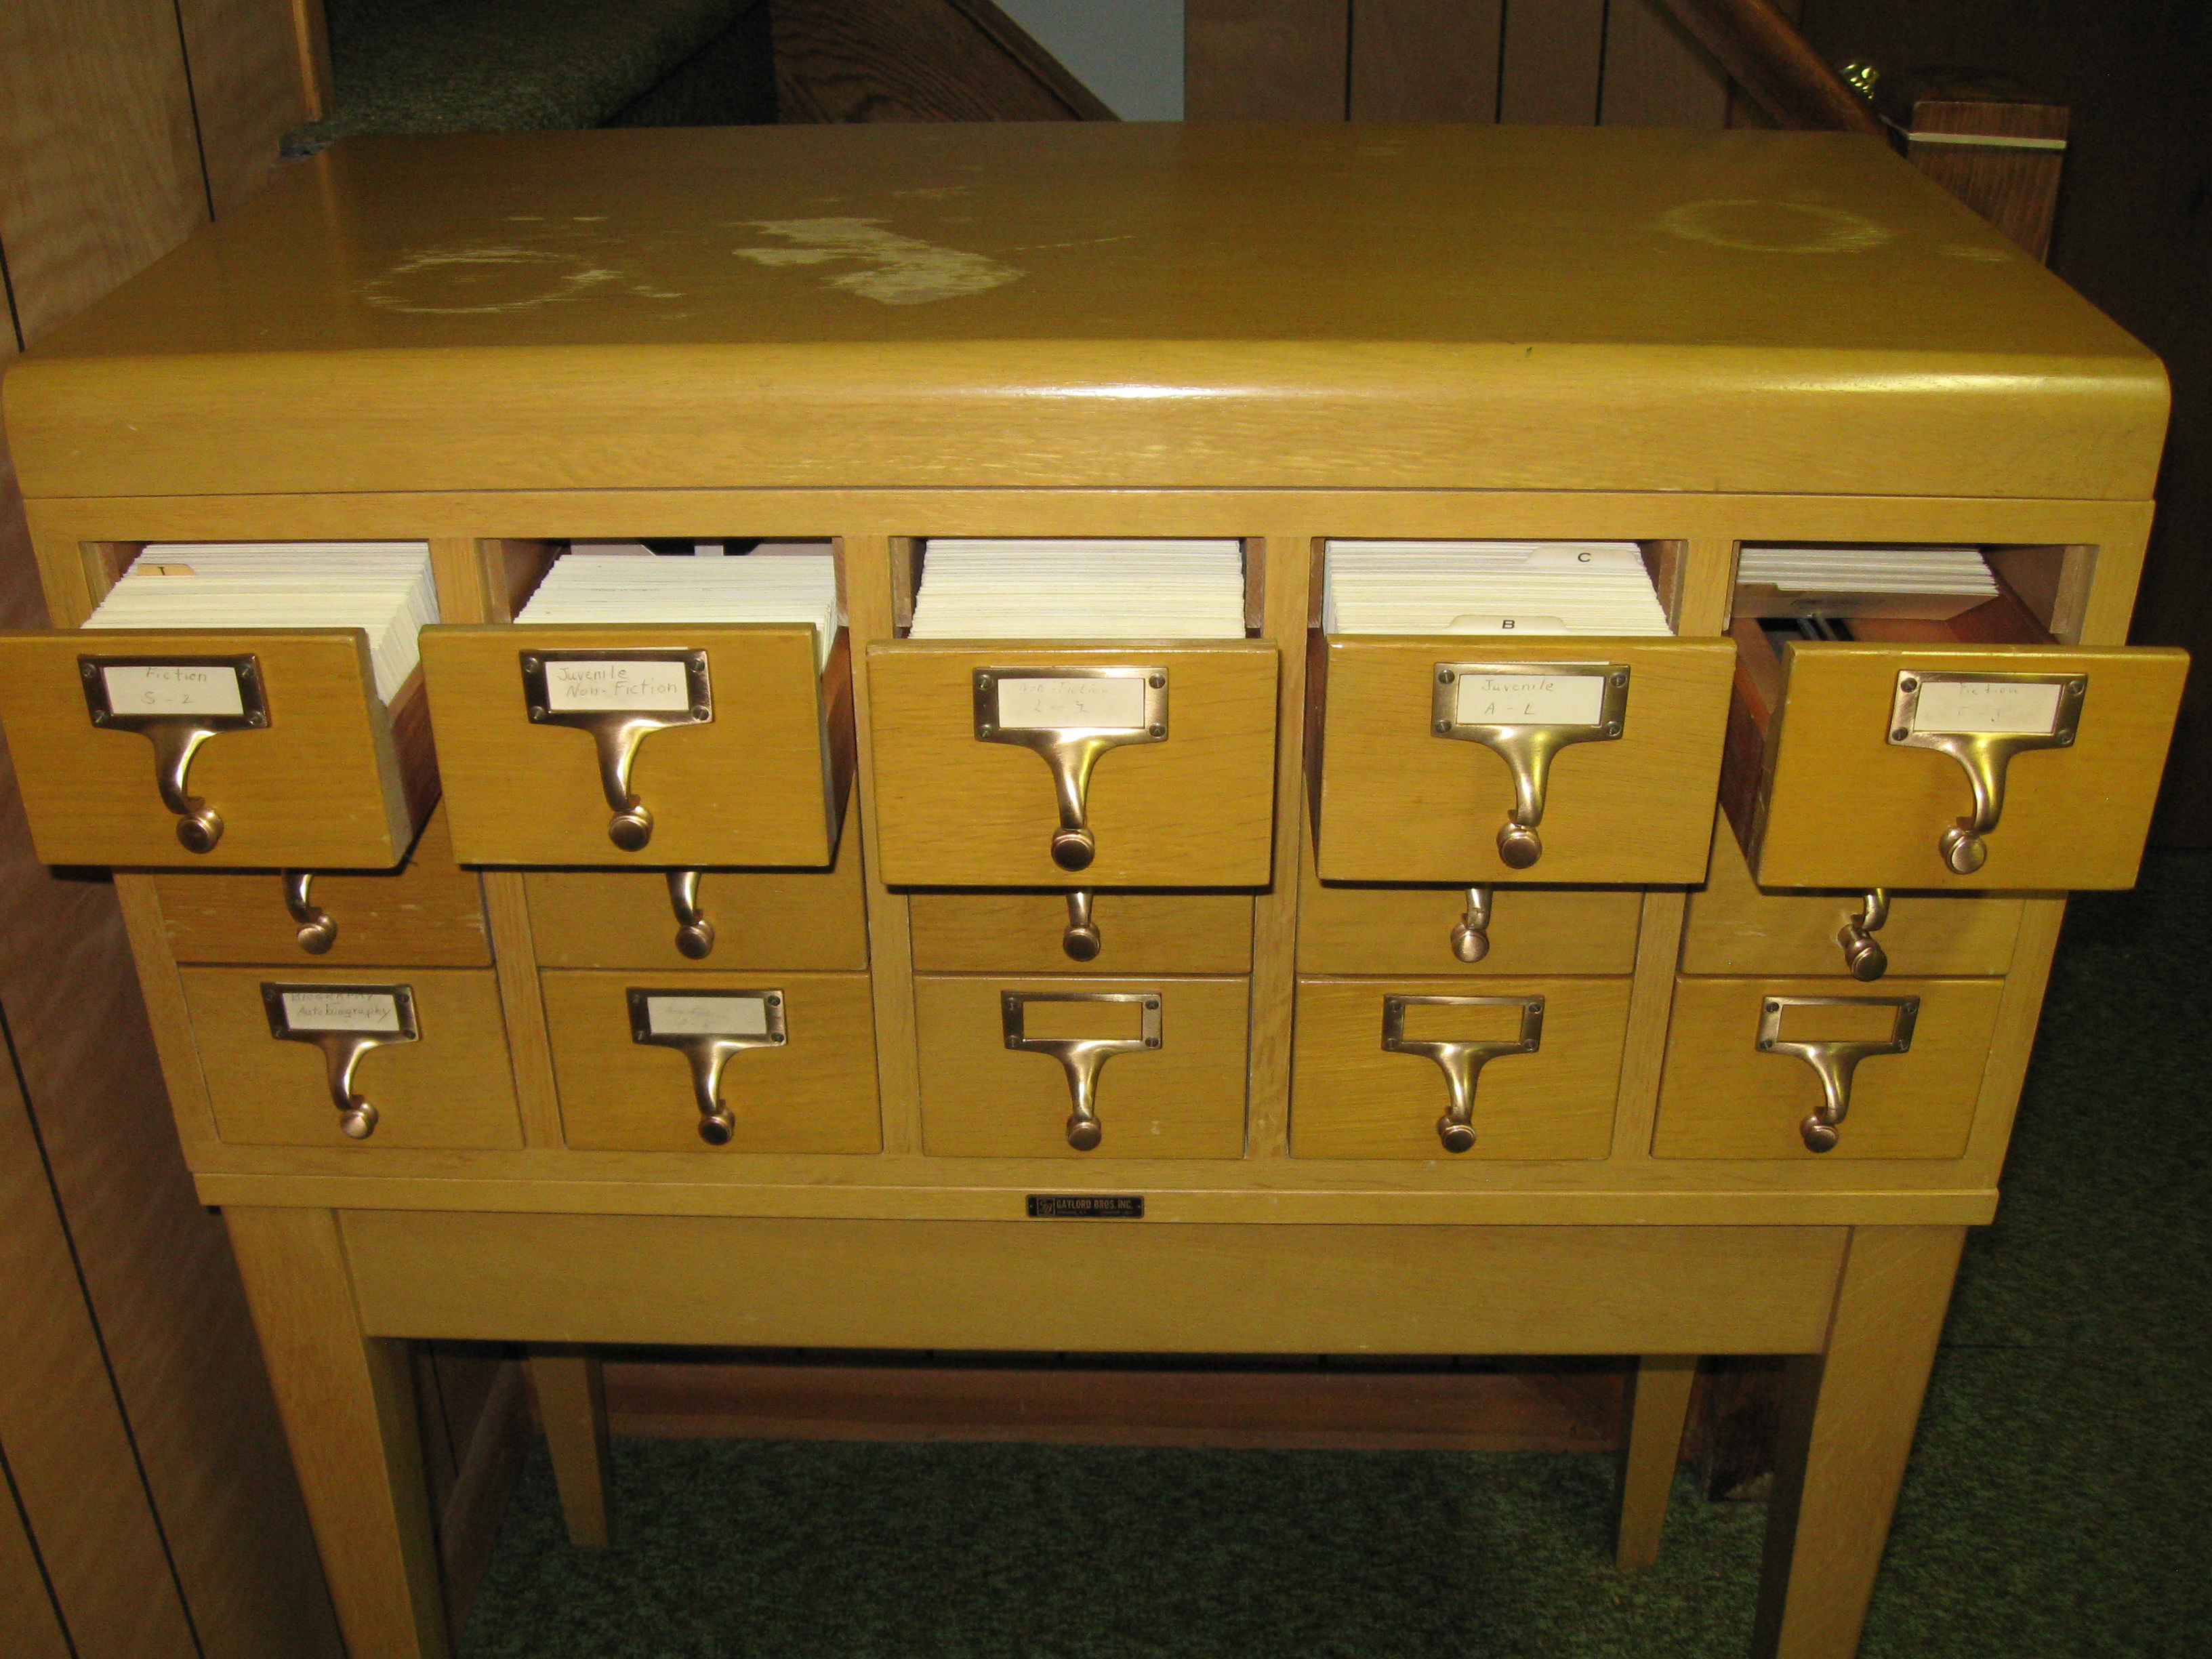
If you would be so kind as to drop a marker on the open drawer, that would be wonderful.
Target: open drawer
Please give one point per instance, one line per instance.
(1083, 766)
(1941, 764)
(657, 745)
(249, 748)
(1463, 759)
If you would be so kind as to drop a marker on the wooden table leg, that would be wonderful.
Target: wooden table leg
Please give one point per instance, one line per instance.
(348, 1402)
(1651, 1444)
(1848, 1416)
(572, 1404)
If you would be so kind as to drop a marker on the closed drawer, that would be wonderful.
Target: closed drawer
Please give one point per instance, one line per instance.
(744, 761)
(1426, 778)
(1411, 930)
(800, 1076)
(1181, 793)
(1738, 927)
(1539, 1071)
(1723, 1095)
(429, 913)
(982, 1096)
(302, 764)
(1032, 933)
(448, 1085)
(1829, 784)
(814, 921)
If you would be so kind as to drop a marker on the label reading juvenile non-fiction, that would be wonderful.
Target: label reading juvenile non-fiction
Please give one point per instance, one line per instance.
(2007, 705)
(1531, 700)
(1045, 704)
(173, 687)
(338, 1010)
(656, 686)
(706, 1016)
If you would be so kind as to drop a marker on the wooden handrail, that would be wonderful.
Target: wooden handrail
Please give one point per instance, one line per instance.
(1775, 65)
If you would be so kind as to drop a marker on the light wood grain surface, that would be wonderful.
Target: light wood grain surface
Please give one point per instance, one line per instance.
(1398, 803)
(1722, 1098)
(983, 932)
(1353, 1099)
(1195, 809)
(759, 784)
(1656, 1404)
(1183, 1099)
(814, 1093)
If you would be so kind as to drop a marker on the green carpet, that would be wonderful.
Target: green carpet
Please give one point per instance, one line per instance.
(2057, 1503)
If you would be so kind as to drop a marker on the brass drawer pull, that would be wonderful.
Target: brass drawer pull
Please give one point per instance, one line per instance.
(1081, 1058)
(707, 1028)
(317, 933)
(1081, 941)
(1938, 711)
(1834, 1060)
(1863, 955)
(152, 699)
(1526, 712)
(1470, 934)
(345, 1022)
(1462, 1063)
(616, 697)
(694, 933)
(1071, 716)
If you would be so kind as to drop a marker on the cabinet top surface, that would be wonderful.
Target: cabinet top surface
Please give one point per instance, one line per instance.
(1232, 274)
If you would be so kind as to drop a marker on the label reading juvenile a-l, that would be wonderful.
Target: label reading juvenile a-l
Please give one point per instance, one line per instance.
(706, 1016)
(655, 687)
(1531, 699)
(1032, 705)
(173, 687)
(341, 1011)
(1986, 706)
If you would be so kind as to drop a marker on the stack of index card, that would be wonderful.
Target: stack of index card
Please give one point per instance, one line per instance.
(1489, 587)
(1080, 590)
(384, 588)
(795, 586)
(1925, 584)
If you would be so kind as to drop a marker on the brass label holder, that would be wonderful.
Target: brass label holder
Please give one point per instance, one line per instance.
(686, 1020)
(1461, 1063)
(1073, 724)
(1997, 701)
(177, 714)
(1081, 1058)
(1525, 728)
(345, 1022)
(619, 712)
(1834, 1060)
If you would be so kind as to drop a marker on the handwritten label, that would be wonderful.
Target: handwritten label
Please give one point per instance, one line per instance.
(173, 687)
(659, 687)
(1531, 699)
(1117, 705)
(1986, 706)
(706, 1016)
(341, 1011)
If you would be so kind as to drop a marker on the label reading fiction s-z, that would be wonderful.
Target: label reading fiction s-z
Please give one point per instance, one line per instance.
(2008, 705)
(173, 687)
(654, 687)
(1033, 705)
(1531, 699)
(341, 1011)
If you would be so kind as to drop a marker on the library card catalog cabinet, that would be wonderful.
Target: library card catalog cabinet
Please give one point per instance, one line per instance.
(1539, 872)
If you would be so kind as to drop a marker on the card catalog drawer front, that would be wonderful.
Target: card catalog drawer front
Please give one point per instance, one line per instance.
(1735, 927)
(1539, 1067)
(1181, 791)
(1423, 778)
(1513, 931)
(681, 919)
(1843, 805)
(1000, 1059)
(429, 913)
(449, 1085)
(255, 749)
(1723, 1095)
(1080, 931)
(798, 1072)
(654, 745)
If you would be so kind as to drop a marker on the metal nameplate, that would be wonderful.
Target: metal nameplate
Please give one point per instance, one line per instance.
(1086, 1206)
